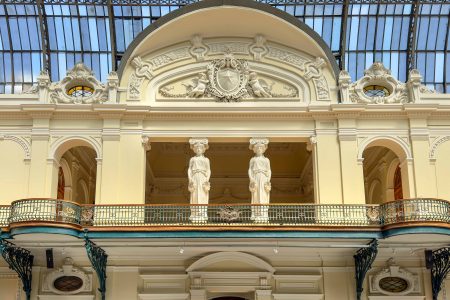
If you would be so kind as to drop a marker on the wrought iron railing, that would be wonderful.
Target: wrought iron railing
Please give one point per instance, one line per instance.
(301, 215)
(4, 215)
(45, 210)
(415, 210)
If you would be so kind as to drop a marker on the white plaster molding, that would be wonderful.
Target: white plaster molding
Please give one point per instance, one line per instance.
(146, 143)
(413, 282)
(143, 70)
(230, 256)
(80, 75)
(396, 140)
(198, 49)
(23, 143)
(88, 141)
(435, 145)
(67, 270)
(377, 74)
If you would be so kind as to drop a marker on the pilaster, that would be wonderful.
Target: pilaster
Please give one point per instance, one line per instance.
(132, 169)
(198, 295)
(40, 182)
(110, 165)
(351, 168)
(327, 165)
(263, 294)
(424, 176)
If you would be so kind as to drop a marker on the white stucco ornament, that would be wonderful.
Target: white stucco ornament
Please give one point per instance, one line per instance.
(199, 173)
(411, 282)
(80, 75)
(228, 78)
(67, 270)
(259, 173)
(377, 75)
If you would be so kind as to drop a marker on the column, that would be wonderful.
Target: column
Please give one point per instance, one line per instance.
(351, 169)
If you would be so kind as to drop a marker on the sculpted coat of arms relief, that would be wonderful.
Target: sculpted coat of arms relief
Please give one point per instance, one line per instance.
(227, 79)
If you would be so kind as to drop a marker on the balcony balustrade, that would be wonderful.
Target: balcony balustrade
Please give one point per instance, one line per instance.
(273, 215)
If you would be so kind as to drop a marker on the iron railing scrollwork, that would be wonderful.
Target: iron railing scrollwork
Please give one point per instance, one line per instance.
(356, 215)
(19, 260)
(364, 259)
(98, 258)
(440, 267)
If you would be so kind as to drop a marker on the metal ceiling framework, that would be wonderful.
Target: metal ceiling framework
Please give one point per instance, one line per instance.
(53, 35)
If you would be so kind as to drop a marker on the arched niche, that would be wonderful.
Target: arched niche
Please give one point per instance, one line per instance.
(78, 159)
(165, 63)
(383, 158)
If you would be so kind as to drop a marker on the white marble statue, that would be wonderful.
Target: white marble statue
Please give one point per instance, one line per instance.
(259, 173)
(199, 173)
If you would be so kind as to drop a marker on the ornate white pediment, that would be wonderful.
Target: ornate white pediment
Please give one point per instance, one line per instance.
(79, 76)
(228, 79)
(377, 76)
(228, 70)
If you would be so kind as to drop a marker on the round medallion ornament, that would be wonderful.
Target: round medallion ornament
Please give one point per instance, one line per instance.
(228, 78)
(393, 284)
(68, 283)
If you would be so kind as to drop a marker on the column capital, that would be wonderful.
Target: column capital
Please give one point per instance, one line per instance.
(146, 143)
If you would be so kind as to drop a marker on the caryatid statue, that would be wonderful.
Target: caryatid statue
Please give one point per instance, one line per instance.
(259, 173)
(199, 173)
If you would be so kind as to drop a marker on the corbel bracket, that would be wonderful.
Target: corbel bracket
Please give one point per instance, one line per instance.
(439, 263)
(20, 260)
(98, 258)
(364, 258)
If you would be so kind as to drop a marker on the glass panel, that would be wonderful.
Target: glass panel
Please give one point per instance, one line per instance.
(81, 31)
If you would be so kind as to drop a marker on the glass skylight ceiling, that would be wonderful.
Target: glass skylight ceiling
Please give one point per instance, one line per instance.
(54, 35)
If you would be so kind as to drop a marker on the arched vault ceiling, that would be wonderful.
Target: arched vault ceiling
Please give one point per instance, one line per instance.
(53, 35)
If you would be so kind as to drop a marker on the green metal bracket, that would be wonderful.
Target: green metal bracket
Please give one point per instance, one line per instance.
(364, 259)
(21, 261)
(440, 267)
(98, 258)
